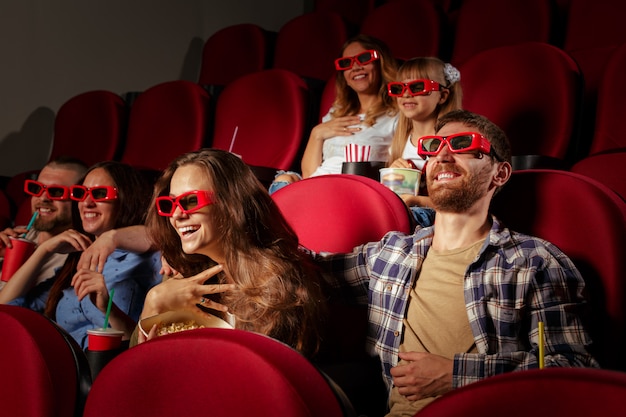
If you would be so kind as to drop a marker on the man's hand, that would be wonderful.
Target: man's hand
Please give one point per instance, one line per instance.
(422, 375)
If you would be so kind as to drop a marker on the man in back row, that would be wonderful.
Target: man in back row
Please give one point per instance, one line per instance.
(461, 300)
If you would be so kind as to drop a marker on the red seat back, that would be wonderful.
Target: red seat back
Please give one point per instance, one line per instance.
(607, 168)
(607, 135)
(335, 213)
(410, 28)
(531, 90)
(587, 221)
(43, 372)
(556, 392)
(220, 371)
(263, 117)
(232, 52)
(308, 44)
(486, 24)
(166, 120)
(91, 127)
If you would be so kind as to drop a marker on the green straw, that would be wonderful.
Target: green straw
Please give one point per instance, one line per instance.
(106, 316)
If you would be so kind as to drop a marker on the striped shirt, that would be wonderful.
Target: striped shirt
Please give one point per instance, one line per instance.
(514, 282)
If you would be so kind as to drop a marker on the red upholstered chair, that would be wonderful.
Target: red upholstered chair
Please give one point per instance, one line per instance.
(6, 214)
(234, 51)
(221, 372)
(352, 11)
(14, 188)
(166, 120)
(268, 130)
(556, 392)
(532, 91)
(335, 213)
(486, 24)
(607, 135)
(309, 43)
(587, 221)
(43, 372)
(24, 213)
(91, 127)
(329, 93)
(409, 27)
(609, 168)
(594, 30)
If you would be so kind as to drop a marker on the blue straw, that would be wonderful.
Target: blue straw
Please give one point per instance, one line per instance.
(30, 223)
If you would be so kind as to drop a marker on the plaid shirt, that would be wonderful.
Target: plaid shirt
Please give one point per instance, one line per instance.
(515, 281)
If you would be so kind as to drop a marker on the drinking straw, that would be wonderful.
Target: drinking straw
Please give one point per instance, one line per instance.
(106, 316)
(30, 223)
(232, 141)
(541, 345)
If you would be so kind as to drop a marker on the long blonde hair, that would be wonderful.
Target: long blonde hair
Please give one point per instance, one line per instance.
(347, 101)
(430, 68)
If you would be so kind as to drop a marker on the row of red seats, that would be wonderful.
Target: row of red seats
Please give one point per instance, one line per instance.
(533, 93)
(229, 372)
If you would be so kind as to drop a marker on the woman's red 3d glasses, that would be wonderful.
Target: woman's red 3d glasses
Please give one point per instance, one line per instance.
(346, 62)
(187, 202)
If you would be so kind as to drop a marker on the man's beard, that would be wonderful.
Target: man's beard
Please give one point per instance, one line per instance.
(48, 224)
(461, 197)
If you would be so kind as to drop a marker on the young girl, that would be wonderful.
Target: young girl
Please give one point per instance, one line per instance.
(362, 113)
(429, 88)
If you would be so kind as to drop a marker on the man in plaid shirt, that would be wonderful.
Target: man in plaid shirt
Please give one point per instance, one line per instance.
(461, 300)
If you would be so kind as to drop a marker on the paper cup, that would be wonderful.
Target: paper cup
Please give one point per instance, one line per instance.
(104, 339)
(15, 257)
(401, 180)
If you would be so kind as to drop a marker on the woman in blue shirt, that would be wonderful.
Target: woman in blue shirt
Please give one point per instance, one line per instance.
(112, 195)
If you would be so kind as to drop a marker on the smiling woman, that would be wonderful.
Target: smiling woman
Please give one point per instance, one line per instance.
(112, 195)
(218, 227)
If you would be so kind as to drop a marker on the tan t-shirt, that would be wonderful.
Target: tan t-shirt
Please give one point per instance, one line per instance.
(436, 320)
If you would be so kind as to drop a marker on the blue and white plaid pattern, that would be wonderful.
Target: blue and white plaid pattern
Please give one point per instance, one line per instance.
(515, 281)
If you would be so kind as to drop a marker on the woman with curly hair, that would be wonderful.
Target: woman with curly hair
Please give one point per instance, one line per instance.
(234, 252)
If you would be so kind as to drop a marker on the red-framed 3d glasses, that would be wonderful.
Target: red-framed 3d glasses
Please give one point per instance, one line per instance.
(457, 143)
(98, 194)
(187, 202)
(54, 192)
(415, 88)
(364, 58)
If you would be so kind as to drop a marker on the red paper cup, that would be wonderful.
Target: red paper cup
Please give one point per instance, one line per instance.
(15, 256)
(104, 339)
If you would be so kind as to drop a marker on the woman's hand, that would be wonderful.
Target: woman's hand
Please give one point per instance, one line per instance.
(67, 242)
(185, 293)
(87, 282)
(340, 126)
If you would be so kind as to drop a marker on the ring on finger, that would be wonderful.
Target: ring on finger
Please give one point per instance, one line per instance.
(202, 300)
